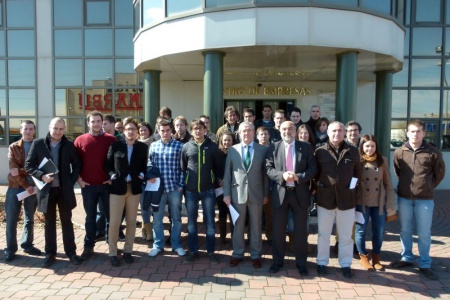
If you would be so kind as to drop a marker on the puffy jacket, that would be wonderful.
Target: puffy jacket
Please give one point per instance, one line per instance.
(419, 172)
(202, 165)
(334, 176)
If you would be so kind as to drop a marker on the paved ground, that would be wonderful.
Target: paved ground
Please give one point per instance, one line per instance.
(164, 277)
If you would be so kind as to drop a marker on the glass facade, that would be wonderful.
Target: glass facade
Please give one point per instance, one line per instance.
(420, 90)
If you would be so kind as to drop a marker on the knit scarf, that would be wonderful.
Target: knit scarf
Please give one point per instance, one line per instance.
(369, 158)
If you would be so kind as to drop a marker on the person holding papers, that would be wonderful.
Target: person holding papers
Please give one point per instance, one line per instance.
(339, 168)
(19, 181)
(291, 165)
(246, 188)
(376, 197)
(58, 190)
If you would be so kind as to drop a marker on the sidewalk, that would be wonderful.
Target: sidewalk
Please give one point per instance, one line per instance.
(164, 277)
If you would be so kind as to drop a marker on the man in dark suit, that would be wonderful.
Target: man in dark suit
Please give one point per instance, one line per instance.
(246, 186)
(291, 165)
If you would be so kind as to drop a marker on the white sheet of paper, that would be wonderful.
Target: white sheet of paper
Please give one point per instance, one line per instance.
(359, 218)
(43, 162)
(219, 191)
(234, 214)
(25, 194)
(39, 184)
(353, 183)
(153, 187)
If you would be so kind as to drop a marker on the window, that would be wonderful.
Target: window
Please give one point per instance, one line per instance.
(98, 12)
(68, 42)
(68, 72)
(67, 13)
(20, 43)
(20, 13)
(22, 102)
(152, 11)
(98, 42)
(21, 73)
(175, 7)
(428, 11)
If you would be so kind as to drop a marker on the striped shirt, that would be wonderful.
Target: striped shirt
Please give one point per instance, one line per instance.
(167, 158)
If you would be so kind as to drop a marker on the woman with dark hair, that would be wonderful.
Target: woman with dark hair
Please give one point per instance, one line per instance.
(146, 137)
(321, 132)
(226, 141)
(375, 197)
(126, 164)
(305, 134)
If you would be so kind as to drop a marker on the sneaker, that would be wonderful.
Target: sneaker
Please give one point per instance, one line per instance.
(180, 251)
(87, 253)
(190, 258)
(213, 259)
(33, 251)
(154, 252)
(428, 273)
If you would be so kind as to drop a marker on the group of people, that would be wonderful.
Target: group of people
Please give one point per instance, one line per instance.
(267, 167)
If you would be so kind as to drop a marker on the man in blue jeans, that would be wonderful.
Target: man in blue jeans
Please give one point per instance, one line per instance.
(420, 168)
(165, 154)
(19, 181)
(200, 161)
(92, 148)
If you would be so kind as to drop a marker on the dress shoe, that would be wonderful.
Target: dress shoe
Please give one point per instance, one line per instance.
(303, 271)
(114, 261)
(128, 258)
(213, 259)
(9, 256)
(428, 273)
(48, 260)
(322, 270)
(87, 253)
(75, 259)
(401, 264)
(33, 251)
(234, 261)
(256, 263)
(275, 268)
(190, 257)
(347, 272)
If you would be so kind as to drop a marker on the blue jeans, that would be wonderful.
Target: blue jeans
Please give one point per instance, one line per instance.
(174, 200)
(419, 212)
(101, 219)
(13, 207)
(377, 229)
(208, 199)
(92, 196)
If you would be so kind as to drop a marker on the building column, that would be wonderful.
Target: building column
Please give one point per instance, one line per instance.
(346, 84)
(213, 88)
(383, 111)
(151, 96)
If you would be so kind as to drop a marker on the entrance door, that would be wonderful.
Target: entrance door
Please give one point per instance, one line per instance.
(257, 106)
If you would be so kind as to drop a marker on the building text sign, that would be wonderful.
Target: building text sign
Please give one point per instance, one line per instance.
(266, 91)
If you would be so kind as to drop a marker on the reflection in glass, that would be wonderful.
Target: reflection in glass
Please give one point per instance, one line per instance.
(2, 131)
(123, 15)
(2, 73)
(67, 13)
(426, 73)
(445, 131)
(433, 38)
(400, 79)
(68, 43)
(152, 11)
(137, 17)
(97, 12)
(20, 13)
(428, 11)
(14, 128)
(21, 73)
(2, 43)
(408, 12)
(222, 3)
(125, 73)
(407, 40)
(3, 111)
(424, 104)
(124, 42)
(22, 102)
(68, 72)
(398, 133)
(75, 127)
(382, 6)
(68, 102)
(399, 103)
(98, 42)
(445, 104)
(20, 43)
(1, 14)
(176, 6)
(98, 72)
(338, 2)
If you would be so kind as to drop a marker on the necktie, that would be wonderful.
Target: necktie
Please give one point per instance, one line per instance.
(247, 158)
(289, 162)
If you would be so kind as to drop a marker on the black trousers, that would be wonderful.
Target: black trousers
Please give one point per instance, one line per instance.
(280, 217)
(56, 199)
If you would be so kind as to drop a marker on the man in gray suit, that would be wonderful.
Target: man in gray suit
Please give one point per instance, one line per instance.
(246, 187)
(291, 165)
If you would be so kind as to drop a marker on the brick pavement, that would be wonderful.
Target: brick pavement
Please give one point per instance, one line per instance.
(164, 277)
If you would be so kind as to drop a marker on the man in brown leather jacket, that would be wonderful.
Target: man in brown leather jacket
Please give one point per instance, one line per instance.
(19, 181)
